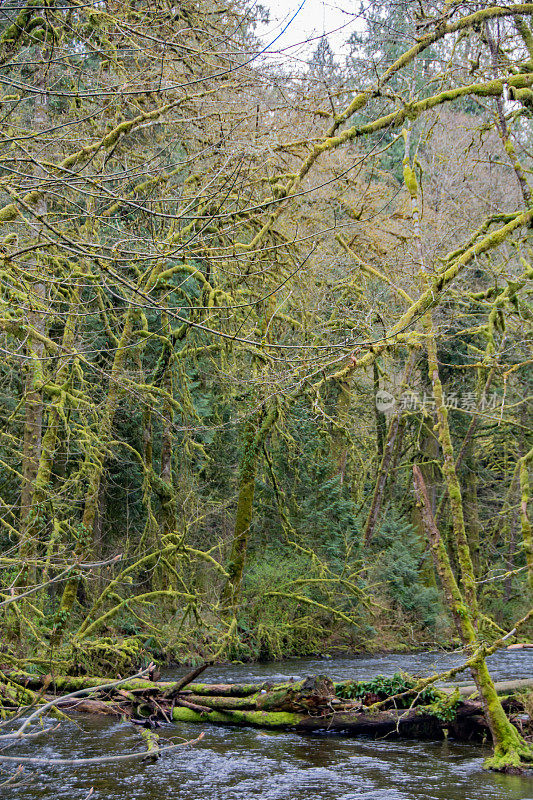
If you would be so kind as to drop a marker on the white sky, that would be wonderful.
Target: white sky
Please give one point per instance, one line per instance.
(336, 18)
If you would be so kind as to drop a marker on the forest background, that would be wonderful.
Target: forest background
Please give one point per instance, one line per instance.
(240, 305)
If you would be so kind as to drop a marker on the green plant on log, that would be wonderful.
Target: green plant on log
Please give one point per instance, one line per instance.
(445, 708)
(381, 687)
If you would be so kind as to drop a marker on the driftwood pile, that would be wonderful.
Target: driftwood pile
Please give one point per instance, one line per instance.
(313, 704)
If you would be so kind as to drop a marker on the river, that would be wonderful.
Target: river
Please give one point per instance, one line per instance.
(246, 763)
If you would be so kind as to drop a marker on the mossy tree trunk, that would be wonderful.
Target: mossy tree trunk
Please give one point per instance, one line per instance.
(471, 509)
(165, 486)
(510, 749)
(527, 535)
(461, 544)
(40, 508)
(381, 420)
(169, 515)
(255, 434)
(94, 470)
(31, 453)
(33, 414)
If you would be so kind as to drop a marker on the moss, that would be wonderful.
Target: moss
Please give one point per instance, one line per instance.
(279, 191)
(14, 31)
(526, 34)
(261, 719)
(255, 435)
(505, 760)
(9, 213)
(335, 141)
(409, 178)
(511, 752)
(524, 96)
(525, 522)
(63, 613)
(509, 149)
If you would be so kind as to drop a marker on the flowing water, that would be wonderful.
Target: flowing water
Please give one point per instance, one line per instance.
(246, 763)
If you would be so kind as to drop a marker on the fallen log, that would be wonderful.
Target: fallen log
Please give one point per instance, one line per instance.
(180, 701)
(68, 683)
(64, 683)
(88, 706)
(502, 687)
(309, 695)
(312, 704)
(411, 723)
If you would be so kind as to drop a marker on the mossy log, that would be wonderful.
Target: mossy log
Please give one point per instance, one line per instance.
(419, 723)
(64, 683)
(312, 704)
(308, 695)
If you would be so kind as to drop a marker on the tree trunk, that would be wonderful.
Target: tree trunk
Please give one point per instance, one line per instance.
(381, 421)
(94, 464)
(473, 524)
(30, 524)
(168, 506)
(510, 749)
(255, 434)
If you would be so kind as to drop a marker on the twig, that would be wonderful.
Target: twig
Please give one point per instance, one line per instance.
(53, 762)
(18, 735)
(186, 679)
(80, 693)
